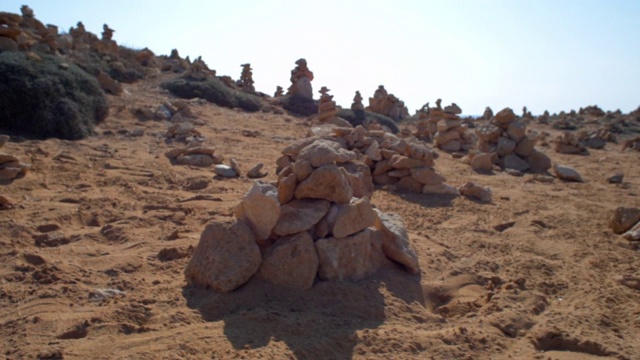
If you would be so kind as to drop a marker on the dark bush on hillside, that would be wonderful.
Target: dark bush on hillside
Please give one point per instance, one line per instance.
(48, 98)
(360, 117)
(213, 91)
(298, 105)
(125, 71)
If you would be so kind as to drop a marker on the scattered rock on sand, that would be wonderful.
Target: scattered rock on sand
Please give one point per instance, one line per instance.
(225, 171)
(567, 173)
(615, 178)
(623, 218)
(472, 190)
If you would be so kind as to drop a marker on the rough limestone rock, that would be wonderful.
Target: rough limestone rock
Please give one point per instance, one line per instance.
(327, 182)
(482, 162)
(351, 258)
(513, 161)
(360, 178)
(488, 132)
(623, 218)
(287, 188)
(395, 241)
(505, 146)
(300, 215)
(323, 152)
(427, 176)
(567, 173)
(476, 191)
(292, 261)
(440, 189)
(505, 117)
(539, 162)
(516, 131)
(226, 257)
(225, 171)
(633, 234)
(353, 217)
(260, 208)
(526, 145)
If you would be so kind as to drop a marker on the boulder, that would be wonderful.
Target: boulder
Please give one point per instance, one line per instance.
(623, 219)
(526, 145)
(323, 152)
(615, 178)
(351, 258)
(567, 173)
(505, 146)
(505, 117)
(222, 170)
(287, 188)
(482, 162)
(513, 161)
(516, 131)
(488, 133)
(327, 182)
(226, 257)
(476, 191)
(538, 162)
(291, 261)
(395, 241)
(353, 217)
(260, 208)
(409, 184)
(302, 169)
(427, 176)
(300, 215)
(360, 178)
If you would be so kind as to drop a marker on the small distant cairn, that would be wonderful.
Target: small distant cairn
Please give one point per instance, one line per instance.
(246, 79)
(568, 143)
(198, 70)
(312, 225)
(387, 104)
(444, 127)
(327, 107)
(279, 92)
(505, 142)
(487, 115)
(301, 78)
(174, 63)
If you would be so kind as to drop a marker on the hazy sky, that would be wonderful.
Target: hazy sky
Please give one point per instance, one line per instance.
(545, 54)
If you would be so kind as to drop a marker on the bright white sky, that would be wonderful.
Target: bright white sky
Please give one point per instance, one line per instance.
(545, 54)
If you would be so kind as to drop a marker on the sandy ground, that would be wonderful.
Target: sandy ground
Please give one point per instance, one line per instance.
(108, 283)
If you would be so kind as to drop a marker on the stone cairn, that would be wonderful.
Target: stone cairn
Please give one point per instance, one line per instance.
(301, 78)
(199, 71)
(174, 63)
(505, 142)
(312, 224)
(279, 91)
(387, 104)
(444, 127)
(26, 33)
(357, 102)
(487, 115)
(568, 143)
(10, 166)
(246, 79)
(403, 164)
(327, 107)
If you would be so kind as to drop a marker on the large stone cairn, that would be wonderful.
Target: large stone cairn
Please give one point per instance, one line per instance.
(246, 79)
(174, 63)
(357, 102)
(26, 33)
(444, 127)
(301, 78)
(505, 142)
(10, 166)
(315, 222)
(387, 104)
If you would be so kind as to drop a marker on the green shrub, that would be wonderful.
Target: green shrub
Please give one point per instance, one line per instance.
(48, 98)
(213, 91)
(360, 117)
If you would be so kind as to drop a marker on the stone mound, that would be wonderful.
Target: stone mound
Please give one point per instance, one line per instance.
(444, 127)
(506, 142)
(316, 222)
(568, 143)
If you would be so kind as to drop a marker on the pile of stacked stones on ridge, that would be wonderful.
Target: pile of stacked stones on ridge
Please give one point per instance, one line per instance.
(10, 166)
(505, 142)
(387, 104)
(569, 143)
(444, 127)
(246, 79)
(316, 222)
(381, 158)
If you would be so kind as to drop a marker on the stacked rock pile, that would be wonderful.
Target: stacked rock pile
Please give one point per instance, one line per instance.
(387, 104)
(505, 142)
(10, 166)
(404, 164)
(444, 127)
(246, 79)
(311, 224)
(568, 143)
(597, 139)
(326, 107)
(194, 154)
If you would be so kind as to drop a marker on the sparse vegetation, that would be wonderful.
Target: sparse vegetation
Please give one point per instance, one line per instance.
(213, 91)
(48, 98)
(361, 117)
